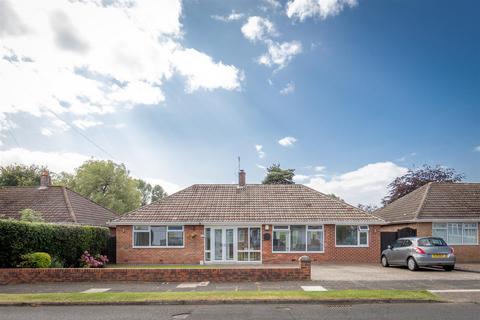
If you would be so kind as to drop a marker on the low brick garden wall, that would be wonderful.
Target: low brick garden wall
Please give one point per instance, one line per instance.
(27, 275)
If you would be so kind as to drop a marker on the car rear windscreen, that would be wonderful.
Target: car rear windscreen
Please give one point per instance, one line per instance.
(431, 242)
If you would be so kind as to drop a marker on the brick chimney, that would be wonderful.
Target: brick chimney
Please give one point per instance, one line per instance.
(241, 178)
(45, 180)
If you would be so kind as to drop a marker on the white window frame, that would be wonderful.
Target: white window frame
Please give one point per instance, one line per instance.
(360, 228)
(248, 250)
(436, 225)
(150, 246)
(307, 229)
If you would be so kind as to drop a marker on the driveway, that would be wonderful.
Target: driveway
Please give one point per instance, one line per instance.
(375, 272)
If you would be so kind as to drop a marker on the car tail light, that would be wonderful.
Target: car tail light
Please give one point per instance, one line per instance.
(419, 250)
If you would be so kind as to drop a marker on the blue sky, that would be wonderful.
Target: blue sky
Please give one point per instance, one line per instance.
(356, 91)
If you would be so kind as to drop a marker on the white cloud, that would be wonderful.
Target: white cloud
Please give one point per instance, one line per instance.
(86, 123)
(168, 186)
(55, 161)
(477, 148)
(258, 28)
(289, 88)
(303, 9)
(259, 166)
(46, 132)
(405, 157)
(280, 54)
(260, 152)
(119, 59)
(367, 185)
(299, 178)
(234, 16)
(287, 141)
(275, 4)
(319, 168)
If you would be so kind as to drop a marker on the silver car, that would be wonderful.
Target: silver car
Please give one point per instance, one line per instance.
(418, 252)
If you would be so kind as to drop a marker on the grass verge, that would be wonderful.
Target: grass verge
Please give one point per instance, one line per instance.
(125, 297)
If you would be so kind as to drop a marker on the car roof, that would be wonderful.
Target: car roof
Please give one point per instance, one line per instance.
(416, 238)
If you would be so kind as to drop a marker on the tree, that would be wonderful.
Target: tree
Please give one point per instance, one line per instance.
(334, 196)
(64, 179)
(367, 207)
(146, 190)
(30, 215)
(108, 184)
(158, 193)
(277, 175)
(20, 175)
(415, 178)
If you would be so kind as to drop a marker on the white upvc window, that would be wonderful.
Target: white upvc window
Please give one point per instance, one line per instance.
(158, 236)
(456, 232)
(297, 238)
(351, 235)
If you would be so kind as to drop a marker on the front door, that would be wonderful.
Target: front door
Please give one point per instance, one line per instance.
(222, 244)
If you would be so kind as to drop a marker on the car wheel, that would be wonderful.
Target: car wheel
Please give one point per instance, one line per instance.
(448, 268)
(412, 264)
(384, 261)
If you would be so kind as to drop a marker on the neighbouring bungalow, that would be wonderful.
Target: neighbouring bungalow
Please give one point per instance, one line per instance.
(55, 204)
(447, 210)
(247, 223)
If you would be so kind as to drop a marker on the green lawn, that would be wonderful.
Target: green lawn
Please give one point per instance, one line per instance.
(223, 296)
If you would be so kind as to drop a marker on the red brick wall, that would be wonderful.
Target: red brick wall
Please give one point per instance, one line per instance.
(464, 253)
(331, 253)
(13, 276)
(192, 253)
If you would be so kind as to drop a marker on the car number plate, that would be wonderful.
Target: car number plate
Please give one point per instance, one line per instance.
(439, 255)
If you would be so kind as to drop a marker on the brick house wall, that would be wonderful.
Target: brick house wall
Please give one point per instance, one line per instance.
(191, 253)
(464, 253)
(331, 252)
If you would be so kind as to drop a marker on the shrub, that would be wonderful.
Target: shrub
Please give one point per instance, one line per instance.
(66, 242)
(30, 215)
(57, 263)
(36, 260)
(88, 261)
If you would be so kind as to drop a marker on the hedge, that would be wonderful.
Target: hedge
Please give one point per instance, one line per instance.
(64, 242)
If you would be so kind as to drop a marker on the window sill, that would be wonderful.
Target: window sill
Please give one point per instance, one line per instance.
(158, 247)
(342, 246)
(297, 252)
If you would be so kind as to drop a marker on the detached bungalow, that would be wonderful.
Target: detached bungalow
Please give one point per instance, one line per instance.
(447, 210)
(247, 223)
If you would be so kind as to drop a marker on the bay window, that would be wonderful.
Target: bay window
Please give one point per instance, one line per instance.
(158, 236)
(351, 236)
(456, 232)
(297, 238)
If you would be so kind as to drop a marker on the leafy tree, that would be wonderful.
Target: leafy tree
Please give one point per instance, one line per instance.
(277, 175)
(63, 179)
(334, 196)
(30, 215)
(415, 178)
(367, 207)
(20, 175)
(146, 190)
(108, 184)
(158, 193)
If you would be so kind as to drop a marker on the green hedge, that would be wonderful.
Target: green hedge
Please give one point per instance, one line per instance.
(65, 242)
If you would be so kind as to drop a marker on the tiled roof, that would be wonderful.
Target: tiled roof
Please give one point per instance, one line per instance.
(218, 203)
(435, 200)
(56, 204)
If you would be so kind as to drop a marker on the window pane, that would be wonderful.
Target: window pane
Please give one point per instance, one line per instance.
(140, 227)
(363, 227)
(439, 225)
(207, 239)
(315, 241)
(280, 239)
(243, 256)
(173, 228)
(254, 238)
(363, 238)
(254, 256)
(141, 239)
(347, 235)
(440, 233)
(175, 238)
(297, 238)
(454, 233)
(315, 227)
(159, 236)
(470, 234)
(207, 256)
(280, 227)
(242, 239)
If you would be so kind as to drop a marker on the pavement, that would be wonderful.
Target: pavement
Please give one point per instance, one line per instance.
(391, 311)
